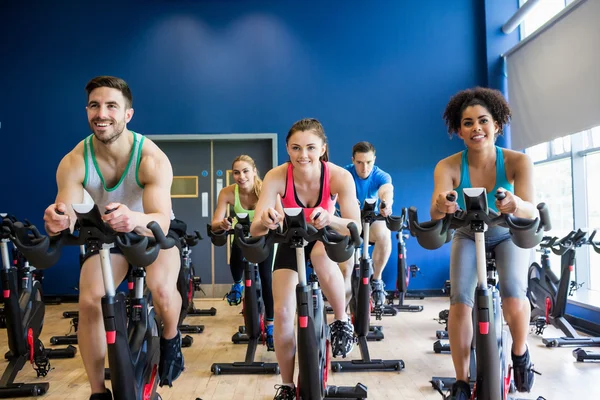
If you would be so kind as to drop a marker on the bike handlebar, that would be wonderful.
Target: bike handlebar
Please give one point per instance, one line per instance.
(368, 215)
(219, 237)
(526, 233)
(591, 242)
(90, 230)
(560, 246)
(339, 248)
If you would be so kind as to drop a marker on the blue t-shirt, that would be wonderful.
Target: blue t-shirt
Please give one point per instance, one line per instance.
(368, 188)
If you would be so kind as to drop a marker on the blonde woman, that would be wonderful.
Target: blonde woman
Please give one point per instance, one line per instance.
(243, 196)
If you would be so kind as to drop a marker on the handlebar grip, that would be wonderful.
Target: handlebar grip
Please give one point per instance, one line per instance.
(500, 195)
(354, 236)
(161, 239)
(544, 216)
(450, 197)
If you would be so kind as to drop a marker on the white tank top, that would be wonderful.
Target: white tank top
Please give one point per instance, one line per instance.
(127, 191)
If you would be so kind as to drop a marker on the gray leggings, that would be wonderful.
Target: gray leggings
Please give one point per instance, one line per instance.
(511, 263)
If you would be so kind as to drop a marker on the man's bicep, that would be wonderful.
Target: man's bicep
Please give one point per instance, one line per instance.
(156, 196)
(69, 183)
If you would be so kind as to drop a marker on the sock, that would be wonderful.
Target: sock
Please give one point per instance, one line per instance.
(343, 319)
(289, 385)
(238, 283)
(519, 360)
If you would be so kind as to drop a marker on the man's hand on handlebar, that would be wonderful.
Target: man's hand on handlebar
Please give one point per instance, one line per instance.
(120, 218)
(509, 204)
(385, 208)
(443, 205)
(56, 219)
(271, 219)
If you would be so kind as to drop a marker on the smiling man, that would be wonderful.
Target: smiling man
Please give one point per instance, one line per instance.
(127, 173)
(372, 182)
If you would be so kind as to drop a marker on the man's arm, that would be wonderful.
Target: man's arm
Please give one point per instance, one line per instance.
(156, 174)
(69, 179)
(386, 194)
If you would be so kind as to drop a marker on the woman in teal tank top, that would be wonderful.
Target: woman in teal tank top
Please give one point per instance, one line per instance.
(477, 116)
(243, 196)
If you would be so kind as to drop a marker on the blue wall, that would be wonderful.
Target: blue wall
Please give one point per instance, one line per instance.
(378, 71)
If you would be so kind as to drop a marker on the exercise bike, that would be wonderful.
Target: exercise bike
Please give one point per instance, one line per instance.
(313, 332)
(548, 294)
(253, 330)
(133, 339)
(24, 315)
(405, 273)
(492, 380)
(187, 281)
(580, 354)
(360, 304)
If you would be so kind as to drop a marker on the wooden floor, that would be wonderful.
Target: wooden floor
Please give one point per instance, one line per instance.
(408, 336)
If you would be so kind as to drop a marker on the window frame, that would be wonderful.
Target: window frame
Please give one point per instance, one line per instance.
(579, 194)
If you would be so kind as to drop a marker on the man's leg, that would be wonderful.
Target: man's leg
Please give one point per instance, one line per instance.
(161, 279)
(380, 234)
(91, 335)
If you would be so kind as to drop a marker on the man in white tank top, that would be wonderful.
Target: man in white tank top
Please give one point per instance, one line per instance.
(134, 180)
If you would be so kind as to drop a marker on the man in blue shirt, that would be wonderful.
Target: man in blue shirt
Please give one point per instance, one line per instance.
(372, 182)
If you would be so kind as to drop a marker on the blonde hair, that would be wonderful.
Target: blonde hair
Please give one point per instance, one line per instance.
(257, 185)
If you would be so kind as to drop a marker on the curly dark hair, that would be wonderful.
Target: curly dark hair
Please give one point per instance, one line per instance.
(491, 99)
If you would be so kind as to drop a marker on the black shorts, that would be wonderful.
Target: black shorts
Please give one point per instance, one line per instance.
(286, 257)
(92, 251)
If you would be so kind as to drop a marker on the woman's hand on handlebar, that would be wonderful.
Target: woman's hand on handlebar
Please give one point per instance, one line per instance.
(445, 206)
(120, 218)
(320, 218)
(225, 224)
(271, 219)
(56, 219)
(509, 204)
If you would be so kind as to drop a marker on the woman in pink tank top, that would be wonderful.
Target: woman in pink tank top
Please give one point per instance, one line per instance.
(309, 181)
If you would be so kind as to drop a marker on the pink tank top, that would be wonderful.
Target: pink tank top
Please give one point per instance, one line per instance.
(290, 199)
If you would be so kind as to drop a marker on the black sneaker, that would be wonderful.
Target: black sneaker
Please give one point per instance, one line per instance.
(171, 360)
(102, 396)
(523, 372)
(461, 390)
(342, 338)
(284, 393)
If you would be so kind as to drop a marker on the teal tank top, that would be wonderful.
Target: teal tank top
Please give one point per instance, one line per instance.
(501, 181)
(237, 206)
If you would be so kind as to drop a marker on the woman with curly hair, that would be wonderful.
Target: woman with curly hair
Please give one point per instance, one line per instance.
(477, 116)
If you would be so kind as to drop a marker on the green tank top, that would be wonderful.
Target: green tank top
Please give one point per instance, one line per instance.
(501, 181)
(237, 206)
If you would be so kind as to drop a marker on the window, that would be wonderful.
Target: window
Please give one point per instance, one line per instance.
(541, 13)
(554, 186)
(592, 165)
(184, 187)
(565, 173)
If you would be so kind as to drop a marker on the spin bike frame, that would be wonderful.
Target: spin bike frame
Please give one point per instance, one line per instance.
(133, 343)
(492, 382)
(313, 332)
(24, 313)
(253, 330)
(545, 295)
(360, 304)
